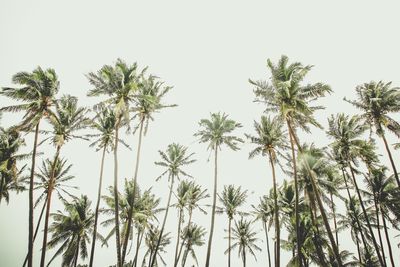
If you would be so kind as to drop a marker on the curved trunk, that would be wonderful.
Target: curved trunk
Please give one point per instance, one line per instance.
(46, 218)
(396, 175)
(276, 213)
(213, 207)
(97, 209)
(379, 229)
(334, 220)
(30, 235)
(134, 192)
(163, 224)
(116, 198)
(267, 241)
(387, 238)
(178, 237)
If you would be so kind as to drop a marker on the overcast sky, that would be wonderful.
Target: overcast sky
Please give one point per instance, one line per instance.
(207, 50)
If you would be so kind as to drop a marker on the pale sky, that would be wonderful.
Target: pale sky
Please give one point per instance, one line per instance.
(207, 50)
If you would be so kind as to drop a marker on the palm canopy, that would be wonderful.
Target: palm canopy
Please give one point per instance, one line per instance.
(244, 238)
(377, 100)
(193, 236)
(286, 94)
(216, 132)
(151, 241)
(232, 198)
(265, 209)
(195, 195)
(38, 90)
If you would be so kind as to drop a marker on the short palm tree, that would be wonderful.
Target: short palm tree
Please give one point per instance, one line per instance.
(156, 244)
(231, 199)
(72, 230)
(244, 239)
(217, 132)
(119, 83)
(38, 90)
(377, 100)
(270, 141)
(193, 235)
(173, 160)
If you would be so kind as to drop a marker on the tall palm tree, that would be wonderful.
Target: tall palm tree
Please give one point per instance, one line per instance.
(217, 132)
(72, 230)
(287, 96)
(377, 100)
(148, 101)
(270, 142)
(245, 239)
(156, 244)
(346, 132)
(193, 235)
(120, 84)
(65, 121)
(173, 160)
(231, 199)
(38, 90)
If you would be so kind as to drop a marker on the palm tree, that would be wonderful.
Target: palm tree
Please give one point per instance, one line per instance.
(270, 141)
(346, 131)
(67, 119)
(231, 199)
(119, 83)
(216, 132)
(377, 100)
(173, 160)
(147, 102)
(287, 96)
(193, 235)
(38, 90)
(72, 230)
(245, 239)
(156, 244)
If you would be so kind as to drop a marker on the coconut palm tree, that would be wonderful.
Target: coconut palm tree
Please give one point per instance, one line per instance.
(231, 199)
(270, 142)
(72, 230)
(173, 160)
(377, 100)
(37, 90)
(244, 239)
(193, 235)
(156, 244)
(119, 83)
(292, 101)
(216, 133)
(65, 121)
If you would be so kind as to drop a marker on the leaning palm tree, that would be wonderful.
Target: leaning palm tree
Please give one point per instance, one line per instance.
(217, 132)
(270, 140)
(38, 90)
(192, 235)
(245, 239)
(292, 101)
(65, 121)
(231, 199)
(72, 230)
(120, 84)
(173, 160)
(156, 244)
(377, 100)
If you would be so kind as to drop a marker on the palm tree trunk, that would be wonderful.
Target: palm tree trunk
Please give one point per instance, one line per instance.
(178, 237)
(267, 241)
(334, 220)
(229, 241)
(379, 229)
(296, 186)
(138, 242)
(387, 238)
(97, 208)
(213, 207)
(30, 235)
(391, 159)
(184, 258)
(244, 257)
(134, 191)
(183, 241)
(116, 200)
(318, 248)
(277, 229)
(358, 248)
(366, 217)
(47, 216)
(164, 221)
(77, 252)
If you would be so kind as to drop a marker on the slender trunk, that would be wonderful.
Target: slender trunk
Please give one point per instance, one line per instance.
(46, 218)
(366, 217)
(244, 257)
(267, 241)
(139, 241)
(178, 237)
(334, 220)
(276, 213)
(183, 241)
(184, 258)
(213, 207)
(97, 208)
(30, 235)
(296, 186)
(318, 248)
(163, 224)
(134, 191)
(387, 238)
(77, 252)
(379, 230)
(396, 175)
(116, 198)
(229, 241)
(358, 248)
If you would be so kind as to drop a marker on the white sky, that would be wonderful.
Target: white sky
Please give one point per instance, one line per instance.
(207, 50)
